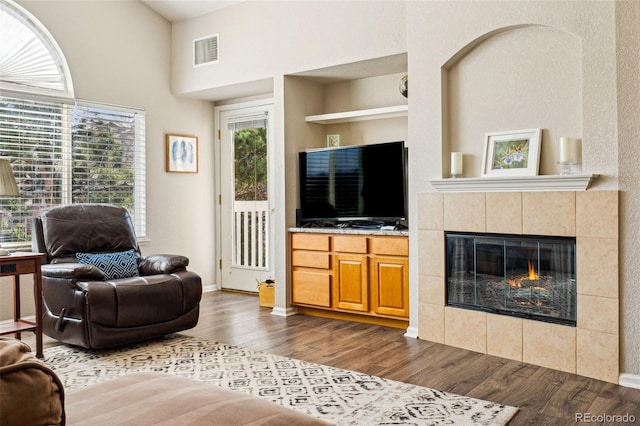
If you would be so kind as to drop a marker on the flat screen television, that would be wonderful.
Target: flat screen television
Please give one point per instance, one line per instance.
(353, 183)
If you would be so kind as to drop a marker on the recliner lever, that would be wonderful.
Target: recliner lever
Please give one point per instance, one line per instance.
(58, 326)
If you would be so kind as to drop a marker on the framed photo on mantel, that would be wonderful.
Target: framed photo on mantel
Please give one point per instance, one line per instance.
(181, 153)
(512, 153)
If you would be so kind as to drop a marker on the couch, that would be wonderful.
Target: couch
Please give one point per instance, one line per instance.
(32, 394)
(98, 290)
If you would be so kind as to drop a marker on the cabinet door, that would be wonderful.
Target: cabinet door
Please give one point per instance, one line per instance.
(390, 286)
(351, 282)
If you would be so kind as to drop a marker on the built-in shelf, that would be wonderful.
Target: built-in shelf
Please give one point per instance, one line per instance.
(577, 182)
(360, 115)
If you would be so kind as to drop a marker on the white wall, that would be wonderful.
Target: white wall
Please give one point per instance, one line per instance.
(363, 94)
(493, 23)
(268, 40)
(628, 127)
(263, 39)
(587, 46)
(517, 79)
(120, 53)
(594, 23)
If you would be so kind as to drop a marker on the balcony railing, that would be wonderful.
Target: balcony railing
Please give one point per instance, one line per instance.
(251, 234)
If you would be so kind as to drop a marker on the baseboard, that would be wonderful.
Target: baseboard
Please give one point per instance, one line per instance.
(412, 332)
(208, 288)
(282, 312)
(629, 380)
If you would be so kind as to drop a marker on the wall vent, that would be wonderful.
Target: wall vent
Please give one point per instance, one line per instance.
(205, 50)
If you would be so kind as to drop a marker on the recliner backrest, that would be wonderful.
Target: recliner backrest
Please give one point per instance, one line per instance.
(63, 231)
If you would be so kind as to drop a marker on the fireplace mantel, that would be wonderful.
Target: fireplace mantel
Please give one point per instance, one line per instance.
(577, 182)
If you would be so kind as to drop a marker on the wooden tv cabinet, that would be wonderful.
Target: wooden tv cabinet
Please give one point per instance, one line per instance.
(353, 275)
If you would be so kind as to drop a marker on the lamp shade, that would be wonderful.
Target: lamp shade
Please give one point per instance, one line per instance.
(8, 184)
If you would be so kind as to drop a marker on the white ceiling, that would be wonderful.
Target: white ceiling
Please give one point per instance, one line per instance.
(179, 10)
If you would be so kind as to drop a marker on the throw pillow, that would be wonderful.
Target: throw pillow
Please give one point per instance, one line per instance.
(114, 265)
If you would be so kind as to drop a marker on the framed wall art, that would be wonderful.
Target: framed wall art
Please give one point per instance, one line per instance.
(333, 140)
(512, 153)
(181, 153)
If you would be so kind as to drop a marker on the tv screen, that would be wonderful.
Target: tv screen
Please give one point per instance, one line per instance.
(365, 182)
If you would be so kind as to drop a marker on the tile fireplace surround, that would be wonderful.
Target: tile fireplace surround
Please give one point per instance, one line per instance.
(592, 347)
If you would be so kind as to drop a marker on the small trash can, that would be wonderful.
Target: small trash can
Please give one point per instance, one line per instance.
(266, 290)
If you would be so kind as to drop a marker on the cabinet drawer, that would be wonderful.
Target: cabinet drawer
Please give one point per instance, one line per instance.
(18, 267)
(310, 241)
(311, 259)
(311, 288)
(395, 246)
(350, 243)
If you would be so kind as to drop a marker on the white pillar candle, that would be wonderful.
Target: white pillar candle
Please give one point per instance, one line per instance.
(568, 151)
(456, 163)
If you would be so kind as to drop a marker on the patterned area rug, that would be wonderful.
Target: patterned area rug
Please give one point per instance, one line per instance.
(339, 396)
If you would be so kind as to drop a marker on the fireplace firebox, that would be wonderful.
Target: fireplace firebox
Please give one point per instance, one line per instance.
(524, 276)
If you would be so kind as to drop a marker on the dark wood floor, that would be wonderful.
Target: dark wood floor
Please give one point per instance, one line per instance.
(544, 396)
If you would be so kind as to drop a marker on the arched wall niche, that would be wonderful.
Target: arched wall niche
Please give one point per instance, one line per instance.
(512, 78)
(31, 60)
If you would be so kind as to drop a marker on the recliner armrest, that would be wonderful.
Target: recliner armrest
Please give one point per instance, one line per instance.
(162, 264)
(72, 270)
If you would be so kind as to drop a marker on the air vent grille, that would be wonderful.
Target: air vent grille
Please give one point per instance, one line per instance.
(205, 50)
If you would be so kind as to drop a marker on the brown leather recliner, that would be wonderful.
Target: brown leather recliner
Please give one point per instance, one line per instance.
(104, 301)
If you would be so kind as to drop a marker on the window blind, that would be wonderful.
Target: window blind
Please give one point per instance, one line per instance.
(29, 58)
(63, 154)
(248, 121)
(108, 158)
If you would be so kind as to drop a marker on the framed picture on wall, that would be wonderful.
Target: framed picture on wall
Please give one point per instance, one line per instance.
(181, 153)
(512, 153)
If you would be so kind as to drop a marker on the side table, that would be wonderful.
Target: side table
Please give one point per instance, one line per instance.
(15, 265)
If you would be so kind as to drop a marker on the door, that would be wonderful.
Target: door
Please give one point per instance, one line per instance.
(245, 232)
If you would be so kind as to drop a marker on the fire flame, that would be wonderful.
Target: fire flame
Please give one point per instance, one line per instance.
(532, 272)
(517, 282)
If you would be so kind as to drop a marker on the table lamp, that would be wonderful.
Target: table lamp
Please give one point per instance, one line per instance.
(8, 187)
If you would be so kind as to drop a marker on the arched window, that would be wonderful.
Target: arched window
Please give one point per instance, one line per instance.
(62, 150)
(30, 59)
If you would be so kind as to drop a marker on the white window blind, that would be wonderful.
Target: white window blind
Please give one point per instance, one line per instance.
(108, 158)
(63, 154)
(30, 60)
(248, 121)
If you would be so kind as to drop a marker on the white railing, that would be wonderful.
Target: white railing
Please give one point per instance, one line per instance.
(251, 234)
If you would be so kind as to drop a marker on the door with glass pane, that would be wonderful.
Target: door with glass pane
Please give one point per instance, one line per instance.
(245, 226)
